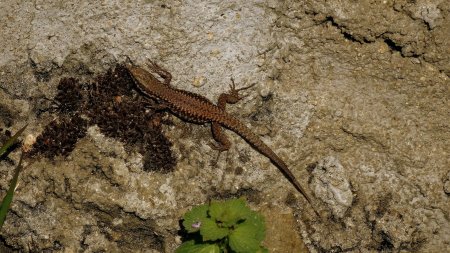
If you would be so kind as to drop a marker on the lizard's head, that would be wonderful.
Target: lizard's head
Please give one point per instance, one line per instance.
(141, 76)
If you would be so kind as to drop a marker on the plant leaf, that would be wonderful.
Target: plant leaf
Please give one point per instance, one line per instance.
(11, 140)
(210, 231)
(256, 220)
(262, 250)
(248, 235)
(9, 195)
(229, 212)
(192, 220)
(242, 239)
(191, 247)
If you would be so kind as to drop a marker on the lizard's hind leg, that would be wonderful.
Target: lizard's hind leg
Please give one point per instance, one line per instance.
(222, 143)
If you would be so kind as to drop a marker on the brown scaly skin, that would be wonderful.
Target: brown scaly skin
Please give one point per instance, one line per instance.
(198, 109)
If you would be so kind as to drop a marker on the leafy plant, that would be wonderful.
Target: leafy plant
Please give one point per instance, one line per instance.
(6, 202)
(223, 226)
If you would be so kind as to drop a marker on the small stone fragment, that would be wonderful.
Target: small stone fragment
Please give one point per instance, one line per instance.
(330, 184)
(447, 184)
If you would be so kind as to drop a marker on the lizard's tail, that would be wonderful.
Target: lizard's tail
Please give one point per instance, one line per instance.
(259, 145)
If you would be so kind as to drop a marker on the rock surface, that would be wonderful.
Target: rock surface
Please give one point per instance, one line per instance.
(364, 82)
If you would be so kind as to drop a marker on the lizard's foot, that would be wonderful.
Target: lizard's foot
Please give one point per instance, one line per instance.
(232, 97)
(219, 148)
(233, 94)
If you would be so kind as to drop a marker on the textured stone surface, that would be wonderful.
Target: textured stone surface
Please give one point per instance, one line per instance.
(365, 82)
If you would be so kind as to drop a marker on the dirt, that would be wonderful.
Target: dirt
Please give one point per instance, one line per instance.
(354, 96)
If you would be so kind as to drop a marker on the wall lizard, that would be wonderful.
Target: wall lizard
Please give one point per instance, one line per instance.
(198, 109)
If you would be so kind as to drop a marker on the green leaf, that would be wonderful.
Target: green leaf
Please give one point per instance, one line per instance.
(191, 247)
(9, 195)
(230, 223)
(193, 219)
(11, 140)
(256, 220)
(243, 239)
(210, 231)
(248, 236)
(262, 250)
(229, 212)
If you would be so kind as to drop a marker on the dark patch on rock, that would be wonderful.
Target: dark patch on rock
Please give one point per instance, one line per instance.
(59, 137)
(4, 247)
(386, 243)
(291, 200)
(6, 116)
(250, 194)
(131, 233)
(392, 45)
(112, 103)
(69, 97)
(40, 73)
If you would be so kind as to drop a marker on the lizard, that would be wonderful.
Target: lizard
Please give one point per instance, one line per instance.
(198, 109)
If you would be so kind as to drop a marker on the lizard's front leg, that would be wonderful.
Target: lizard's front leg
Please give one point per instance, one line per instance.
(164, 74)
(232, 97)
